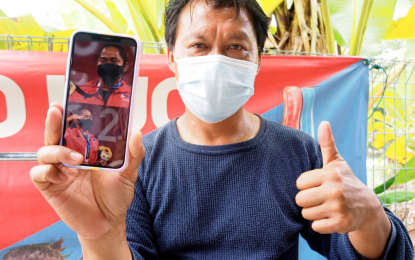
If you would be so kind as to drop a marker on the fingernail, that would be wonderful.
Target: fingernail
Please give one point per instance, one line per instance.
(76, 157)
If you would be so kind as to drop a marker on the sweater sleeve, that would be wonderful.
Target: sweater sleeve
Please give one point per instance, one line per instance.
(336, 246)
(139, 228)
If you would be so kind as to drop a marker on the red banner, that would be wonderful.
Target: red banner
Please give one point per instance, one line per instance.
(30, 81)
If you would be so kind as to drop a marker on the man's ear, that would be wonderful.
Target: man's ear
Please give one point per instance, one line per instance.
(170, 60)
(125, 67)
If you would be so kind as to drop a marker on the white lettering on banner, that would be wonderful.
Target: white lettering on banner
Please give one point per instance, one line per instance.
(140, 103)
(16, 108)
(56, 88)
(159, 101)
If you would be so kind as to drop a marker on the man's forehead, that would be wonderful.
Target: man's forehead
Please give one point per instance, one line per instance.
(110, 51)
(85, 112)
(198, 15)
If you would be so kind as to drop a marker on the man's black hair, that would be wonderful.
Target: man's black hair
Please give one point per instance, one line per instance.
(259, 18)
(121, 50)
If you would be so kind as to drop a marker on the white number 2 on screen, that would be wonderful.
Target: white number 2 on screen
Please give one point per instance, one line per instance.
(103, 135)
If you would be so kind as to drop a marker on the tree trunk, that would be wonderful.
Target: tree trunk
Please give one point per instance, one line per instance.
(299, 29)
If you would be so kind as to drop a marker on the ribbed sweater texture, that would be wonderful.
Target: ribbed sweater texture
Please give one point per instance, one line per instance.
(233, 201)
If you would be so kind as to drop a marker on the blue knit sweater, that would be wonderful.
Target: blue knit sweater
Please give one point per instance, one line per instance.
(232, 201)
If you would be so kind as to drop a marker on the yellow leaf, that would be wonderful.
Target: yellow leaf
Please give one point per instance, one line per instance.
(3, 15)
(138, 22)
(24, 25)
(381, 139)
(61, 45)
(104, 19)
(403, 28)
(402, 154)
(116, 16)
(269, 5)
(378, 115)
(75, 16)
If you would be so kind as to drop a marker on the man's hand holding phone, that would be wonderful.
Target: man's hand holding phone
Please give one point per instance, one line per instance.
(92, 203)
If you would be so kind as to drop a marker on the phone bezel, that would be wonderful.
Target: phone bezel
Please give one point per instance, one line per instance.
(112, 38)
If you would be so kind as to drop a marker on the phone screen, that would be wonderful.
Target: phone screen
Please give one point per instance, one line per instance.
(99, 98)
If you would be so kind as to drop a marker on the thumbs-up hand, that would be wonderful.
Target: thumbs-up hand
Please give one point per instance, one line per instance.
(333, 197)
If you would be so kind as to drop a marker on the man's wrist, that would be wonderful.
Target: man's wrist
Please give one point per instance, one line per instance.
(376, 216)
(371, 238)
(113, 245)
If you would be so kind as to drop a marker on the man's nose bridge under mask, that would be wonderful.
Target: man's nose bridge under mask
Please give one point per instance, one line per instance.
(214, 87)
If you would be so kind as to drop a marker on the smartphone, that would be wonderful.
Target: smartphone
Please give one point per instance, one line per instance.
(101, 76)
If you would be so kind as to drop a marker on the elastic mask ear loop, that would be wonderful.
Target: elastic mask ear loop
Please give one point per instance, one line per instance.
(174, 56)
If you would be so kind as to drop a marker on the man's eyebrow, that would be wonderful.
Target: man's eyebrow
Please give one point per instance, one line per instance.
(240, 35)
(109, 57)
(195, 35)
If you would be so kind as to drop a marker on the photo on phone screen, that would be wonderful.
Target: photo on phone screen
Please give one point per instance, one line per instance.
(99, 98)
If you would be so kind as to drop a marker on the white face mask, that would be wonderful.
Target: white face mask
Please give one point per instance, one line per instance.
(214, 87)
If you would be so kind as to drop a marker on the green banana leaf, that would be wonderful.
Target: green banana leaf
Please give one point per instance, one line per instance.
(155, 15)
(379, 21)
(156, 8)
(396, 196)
(137, 23)
(60, 45)
(117, 17)
(3, 15)
(403, 28)
(142, 18)
(268, 6)
(24, 25)
(345, 21)
(402, 8)
(74, 16)
(342, 18)
(402, 177)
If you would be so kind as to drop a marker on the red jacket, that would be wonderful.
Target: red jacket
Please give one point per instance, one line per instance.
(75, 141)
(120, 98)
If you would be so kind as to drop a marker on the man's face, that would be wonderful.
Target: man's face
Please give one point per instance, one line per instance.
(214, 32)
(84, 120)
(85, 115)
(112, 55)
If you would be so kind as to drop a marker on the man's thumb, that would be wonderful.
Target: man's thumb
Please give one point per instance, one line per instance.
(327, 144)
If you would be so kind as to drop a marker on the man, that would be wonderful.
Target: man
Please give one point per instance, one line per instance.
(79, 139)
(219, 182)
(109, 89)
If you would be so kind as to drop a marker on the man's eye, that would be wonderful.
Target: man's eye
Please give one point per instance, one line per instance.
(198, 45)
(236, 47)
